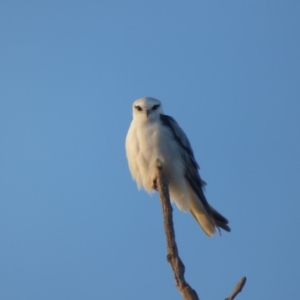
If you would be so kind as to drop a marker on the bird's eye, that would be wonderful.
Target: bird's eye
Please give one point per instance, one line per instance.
(138, 108)
(155, 107)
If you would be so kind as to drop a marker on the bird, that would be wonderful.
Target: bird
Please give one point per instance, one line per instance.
(153, 136)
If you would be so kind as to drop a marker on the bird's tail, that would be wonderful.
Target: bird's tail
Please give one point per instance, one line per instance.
(219, 219)
(207, 217)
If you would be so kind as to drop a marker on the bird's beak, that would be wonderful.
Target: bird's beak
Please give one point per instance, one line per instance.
(147, 112)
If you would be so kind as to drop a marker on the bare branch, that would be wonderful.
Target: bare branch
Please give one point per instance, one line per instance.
(238, 288)
(173, 257)
(187, 292)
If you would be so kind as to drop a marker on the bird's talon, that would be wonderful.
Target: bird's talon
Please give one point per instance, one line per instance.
(154, 184)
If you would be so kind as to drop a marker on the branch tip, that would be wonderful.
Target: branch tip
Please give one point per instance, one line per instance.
(238, 288)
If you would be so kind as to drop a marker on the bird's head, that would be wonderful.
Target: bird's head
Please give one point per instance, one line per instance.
(147, 109)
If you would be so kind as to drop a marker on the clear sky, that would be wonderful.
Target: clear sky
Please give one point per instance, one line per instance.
(72, 223)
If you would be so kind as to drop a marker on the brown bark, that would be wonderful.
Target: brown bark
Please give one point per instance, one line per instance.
(187, 292)
(173, 257)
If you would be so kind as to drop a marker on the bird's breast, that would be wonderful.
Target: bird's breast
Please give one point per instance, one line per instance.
(156, 142)
(152, 141)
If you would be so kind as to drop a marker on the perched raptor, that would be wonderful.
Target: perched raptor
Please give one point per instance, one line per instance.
(153, 135)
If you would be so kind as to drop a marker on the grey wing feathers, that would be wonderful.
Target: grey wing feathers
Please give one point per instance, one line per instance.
(180, 138)
(187, 153)
(191, 170)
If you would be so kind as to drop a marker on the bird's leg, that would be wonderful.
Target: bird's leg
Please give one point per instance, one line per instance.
(154, 184)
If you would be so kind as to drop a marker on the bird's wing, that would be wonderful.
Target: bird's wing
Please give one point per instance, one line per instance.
(191, 166)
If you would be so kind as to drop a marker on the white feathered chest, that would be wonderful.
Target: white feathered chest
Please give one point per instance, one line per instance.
(145, 143)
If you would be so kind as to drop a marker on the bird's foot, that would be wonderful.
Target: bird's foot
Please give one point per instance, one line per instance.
(154, 184)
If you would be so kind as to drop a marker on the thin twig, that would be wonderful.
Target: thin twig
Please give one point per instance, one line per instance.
(173, 257)
(238, 288)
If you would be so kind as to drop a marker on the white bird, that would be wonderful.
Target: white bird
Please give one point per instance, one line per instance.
(153, 135)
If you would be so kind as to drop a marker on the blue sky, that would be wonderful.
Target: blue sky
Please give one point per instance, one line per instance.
(72, 223)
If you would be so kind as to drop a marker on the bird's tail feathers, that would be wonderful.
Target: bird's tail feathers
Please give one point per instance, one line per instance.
(209, 218)
(202, 216)
(219, 220)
